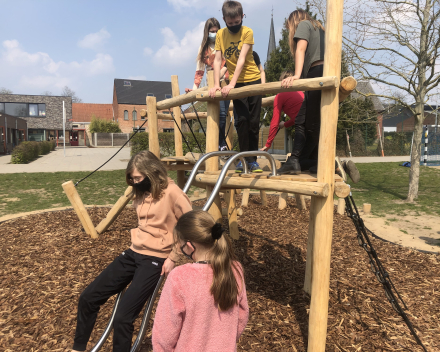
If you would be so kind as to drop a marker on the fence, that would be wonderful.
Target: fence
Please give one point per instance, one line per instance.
(110, 139)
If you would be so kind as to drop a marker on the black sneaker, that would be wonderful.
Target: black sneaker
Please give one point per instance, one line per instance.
(290, 167)
(313, 169)
(352, 171)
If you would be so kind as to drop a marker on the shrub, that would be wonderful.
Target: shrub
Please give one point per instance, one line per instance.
(98, 125)
(25, 152)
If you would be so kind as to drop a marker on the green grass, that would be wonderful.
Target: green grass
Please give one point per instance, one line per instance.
(35, 191)
(385, 186)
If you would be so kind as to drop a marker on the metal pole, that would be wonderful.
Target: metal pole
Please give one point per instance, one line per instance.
(380, 139)
(425, 157)
(64, 128)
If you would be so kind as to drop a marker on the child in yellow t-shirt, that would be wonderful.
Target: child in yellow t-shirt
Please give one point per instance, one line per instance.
(235, 44)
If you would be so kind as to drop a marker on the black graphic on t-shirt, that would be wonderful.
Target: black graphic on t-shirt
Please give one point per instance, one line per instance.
(233, 49)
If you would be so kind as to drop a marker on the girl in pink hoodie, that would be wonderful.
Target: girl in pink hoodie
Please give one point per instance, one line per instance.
(203, 305)
(159, 203)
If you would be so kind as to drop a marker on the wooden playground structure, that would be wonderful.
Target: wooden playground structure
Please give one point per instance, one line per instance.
(320, 187)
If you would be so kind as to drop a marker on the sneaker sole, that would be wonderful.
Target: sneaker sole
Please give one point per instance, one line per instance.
(258, 171)
(352, 171)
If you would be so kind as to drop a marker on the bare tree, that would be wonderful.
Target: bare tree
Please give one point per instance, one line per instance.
(395, 43)
(47, 92)
(67, 92)
(5, 91)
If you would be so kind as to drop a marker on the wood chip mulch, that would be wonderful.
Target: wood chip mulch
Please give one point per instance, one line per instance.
(46, 261)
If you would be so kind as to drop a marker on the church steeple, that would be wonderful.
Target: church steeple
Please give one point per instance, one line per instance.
(272, 45)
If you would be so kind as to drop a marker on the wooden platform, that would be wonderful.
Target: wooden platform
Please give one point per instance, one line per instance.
(303, 177)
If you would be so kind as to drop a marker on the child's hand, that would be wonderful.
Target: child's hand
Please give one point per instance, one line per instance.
(213, 90)
(287, 82)
(167, 266)
(226, 89)
(264, 148)
(281, 125)
(187, 90)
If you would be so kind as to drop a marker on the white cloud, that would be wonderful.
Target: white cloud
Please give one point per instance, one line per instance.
(216, 4)
(179, 52)
(148, 51)
(94, 40)
(139, 78)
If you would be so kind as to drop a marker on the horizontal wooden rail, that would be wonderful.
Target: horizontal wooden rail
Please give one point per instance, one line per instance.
(318, 83)
(179, 100)
(348, 84)
(162, 116)
(315, 189)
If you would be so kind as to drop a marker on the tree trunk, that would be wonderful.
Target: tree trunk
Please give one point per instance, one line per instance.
(414, 172)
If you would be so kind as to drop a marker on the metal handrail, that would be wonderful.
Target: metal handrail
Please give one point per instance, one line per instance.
(224, 171)
(207, 156)
(147, 315)
(109, 327)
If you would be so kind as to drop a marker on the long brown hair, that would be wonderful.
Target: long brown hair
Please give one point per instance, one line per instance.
(292, 23)
(211, 22)
(150, 166)
(196, 226)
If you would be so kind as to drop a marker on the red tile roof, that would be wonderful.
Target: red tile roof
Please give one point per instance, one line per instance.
(83, 112)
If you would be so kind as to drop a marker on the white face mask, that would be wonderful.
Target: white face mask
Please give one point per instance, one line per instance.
(212, 36)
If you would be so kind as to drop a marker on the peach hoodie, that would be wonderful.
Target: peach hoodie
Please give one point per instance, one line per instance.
(156, 221)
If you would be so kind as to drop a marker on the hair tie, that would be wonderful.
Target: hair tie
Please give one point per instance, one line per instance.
(217, 231)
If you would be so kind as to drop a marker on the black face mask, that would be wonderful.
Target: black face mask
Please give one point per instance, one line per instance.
(236, 28)
(189, 256)
(143, 186)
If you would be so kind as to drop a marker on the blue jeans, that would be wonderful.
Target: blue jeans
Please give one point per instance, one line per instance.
(224, 107)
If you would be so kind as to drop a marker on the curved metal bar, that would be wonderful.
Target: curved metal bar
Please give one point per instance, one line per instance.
(207, 156)
(225, 170)
(109, 327)
(147, 315)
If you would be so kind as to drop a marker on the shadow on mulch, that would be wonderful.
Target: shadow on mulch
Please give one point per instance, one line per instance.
(46, 261)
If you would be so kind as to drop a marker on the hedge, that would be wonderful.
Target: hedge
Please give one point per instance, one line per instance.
(25, 152)
(166, 143)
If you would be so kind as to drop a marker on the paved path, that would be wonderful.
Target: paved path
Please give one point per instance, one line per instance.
(76, 159)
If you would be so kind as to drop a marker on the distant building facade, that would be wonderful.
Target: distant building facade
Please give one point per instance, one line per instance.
(82, 114)
(401, 119)
(13, 131)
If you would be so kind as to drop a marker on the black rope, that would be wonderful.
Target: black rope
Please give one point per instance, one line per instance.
(183, 136)
(192, 132)
(136, 131)
(198, 119)
(377, 267)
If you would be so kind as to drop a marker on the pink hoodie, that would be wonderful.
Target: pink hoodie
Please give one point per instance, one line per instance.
(187, 318)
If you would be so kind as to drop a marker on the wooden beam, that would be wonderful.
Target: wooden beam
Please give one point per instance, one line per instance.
(245, 197)
(115, 210)
(342, 190)
(263, 197)
(348, 84)
(300, 201)
(80, 210)
(319, 83)
(180, 100)
(178, 146)
(153, 134)
(341, 206)
(232, 214)
(163, 116)
(314, 189)
(282, 201)
(323, 208)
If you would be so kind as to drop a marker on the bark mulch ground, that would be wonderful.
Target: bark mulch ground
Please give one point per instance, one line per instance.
(46, 261)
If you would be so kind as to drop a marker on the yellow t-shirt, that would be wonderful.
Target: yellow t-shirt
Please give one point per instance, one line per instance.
(230, 45)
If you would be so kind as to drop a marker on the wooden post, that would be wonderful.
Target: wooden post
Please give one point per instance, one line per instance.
(115, 211)
(309, 256)
(245, 197)
(282, 202)
(263, 197)
(341, 206)
(178, 146)
(78, 206)
(300, 201)
(153, 134)
(323, 207)
(230, 129)
(212, 128)
(367, 208)
(232, 214)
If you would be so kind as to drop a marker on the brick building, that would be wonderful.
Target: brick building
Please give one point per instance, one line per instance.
(42, 113)
(82, 114)
(129, 98)
(13, 131)
(402, 120)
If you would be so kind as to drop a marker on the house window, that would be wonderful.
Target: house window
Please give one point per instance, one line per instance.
(168, 129)
(134, 115)
(127, 84)
(2, 107)
(33, 109)
(126, 115)
(167, 96)
(16, 109)
(150, 95)
(41, 109)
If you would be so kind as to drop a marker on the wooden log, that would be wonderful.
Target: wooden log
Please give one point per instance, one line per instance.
(153, 134)
(178, 147)
(165, 116)
(319, 83)
(263, 197)
(341, 206)
(80, 210)
(309, 255)
(323, 208)
(196, 194)
(232, 214)
(300, 201)
(314, 189)
(342, 190)
(237, 190)
(115, 210)
(367, 208)
(180, 100)
(282, 201)
(239, 211)
(348, 84)
(212, 128)
(268, 101)
(245, 197)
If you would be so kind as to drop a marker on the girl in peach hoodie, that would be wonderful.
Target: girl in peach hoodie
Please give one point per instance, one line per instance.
(203, 305)
(159, 203)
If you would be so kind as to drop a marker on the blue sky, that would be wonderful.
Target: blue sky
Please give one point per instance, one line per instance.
(46, 44)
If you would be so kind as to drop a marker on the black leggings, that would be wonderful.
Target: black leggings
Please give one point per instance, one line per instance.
(143, 272)
(308, 124)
